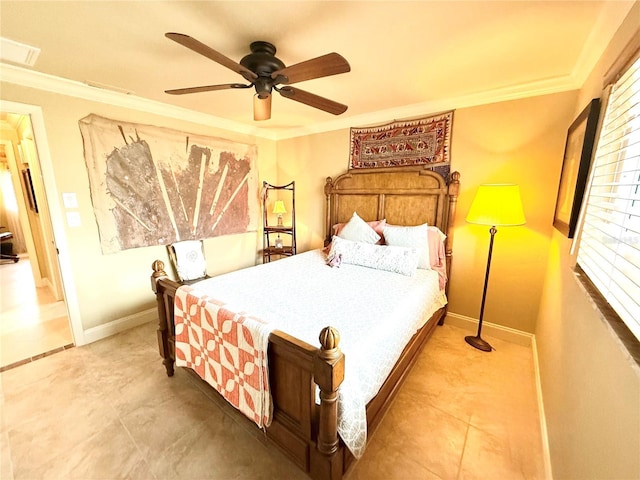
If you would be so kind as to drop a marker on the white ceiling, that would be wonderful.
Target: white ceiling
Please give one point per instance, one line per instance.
(407, 58)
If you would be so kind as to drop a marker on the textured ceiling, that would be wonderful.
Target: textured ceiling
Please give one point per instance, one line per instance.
(406, 57)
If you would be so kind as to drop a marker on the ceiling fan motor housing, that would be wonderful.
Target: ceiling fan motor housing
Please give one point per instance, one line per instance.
(263, 62)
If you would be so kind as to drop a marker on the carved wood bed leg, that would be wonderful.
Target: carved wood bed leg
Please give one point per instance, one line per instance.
(328, 371)
(163, 319)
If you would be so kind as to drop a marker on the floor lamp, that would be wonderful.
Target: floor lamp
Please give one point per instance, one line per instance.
(497, 205)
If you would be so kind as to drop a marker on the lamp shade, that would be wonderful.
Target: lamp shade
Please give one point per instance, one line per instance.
(278, 207)
(497, 204)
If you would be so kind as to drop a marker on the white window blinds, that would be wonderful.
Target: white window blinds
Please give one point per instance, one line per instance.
(609, 250)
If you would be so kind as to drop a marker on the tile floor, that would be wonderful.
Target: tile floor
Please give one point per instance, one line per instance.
(32, 322)
(108, 410)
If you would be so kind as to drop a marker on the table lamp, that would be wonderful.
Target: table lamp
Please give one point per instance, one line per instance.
(495, 205)
(279, 209)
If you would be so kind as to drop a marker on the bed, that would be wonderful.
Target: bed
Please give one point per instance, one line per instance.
(308, 382)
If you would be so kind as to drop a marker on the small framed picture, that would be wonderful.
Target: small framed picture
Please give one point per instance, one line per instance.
(31, 193)
(575, 168)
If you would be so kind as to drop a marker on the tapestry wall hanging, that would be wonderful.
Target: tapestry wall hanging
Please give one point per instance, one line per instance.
(399, 144)
(155, 186)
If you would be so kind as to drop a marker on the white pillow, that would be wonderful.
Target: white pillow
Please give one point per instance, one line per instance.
(381, 257)
(412, 237)
(357, 230)
(190, 261)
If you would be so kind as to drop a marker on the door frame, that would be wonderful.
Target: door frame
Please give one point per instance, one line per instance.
(55, 212)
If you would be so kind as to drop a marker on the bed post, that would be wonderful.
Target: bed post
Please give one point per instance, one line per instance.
(328, 186)
(163, 326)
(328, 371)
(454, 189)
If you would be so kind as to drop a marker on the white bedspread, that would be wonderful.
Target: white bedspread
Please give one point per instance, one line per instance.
(301, 295)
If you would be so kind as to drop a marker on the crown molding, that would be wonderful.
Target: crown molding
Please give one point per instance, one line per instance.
(608, 22)
(51, 83)
(543, 87)
(42, 81)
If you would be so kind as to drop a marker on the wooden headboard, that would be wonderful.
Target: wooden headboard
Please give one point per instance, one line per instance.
(403, 196)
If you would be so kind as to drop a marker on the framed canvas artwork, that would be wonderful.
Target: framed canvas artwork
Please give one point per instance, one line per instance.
(575, 168)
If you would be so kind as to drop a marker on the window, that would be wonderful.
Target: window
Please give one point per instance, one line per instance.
(609, 249)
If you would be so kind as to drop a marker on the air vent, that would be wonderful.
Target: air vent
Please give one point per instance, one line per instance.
(19, 53)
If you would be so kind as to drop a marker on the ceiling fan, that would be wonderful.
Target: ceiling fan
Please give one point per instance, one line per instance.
(266, 73)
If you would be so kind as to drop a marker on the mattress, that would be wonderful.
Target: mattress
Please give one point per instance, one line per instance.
(376, 312)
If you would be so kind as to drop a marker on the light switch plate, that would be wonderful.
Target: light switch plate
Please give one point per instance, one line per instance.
(70, 200)
(73, 219)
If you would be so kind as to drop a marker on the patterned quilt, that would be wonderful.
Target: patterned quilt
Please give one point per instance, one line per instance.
(227, 349)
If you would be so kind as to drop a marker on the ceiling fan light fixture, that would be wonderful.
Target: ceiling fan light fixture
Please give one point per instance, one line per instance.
(261, 107)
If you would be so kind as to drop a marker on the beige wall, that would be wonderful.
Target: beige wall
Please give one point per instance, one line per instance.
(309, 160)
(590, 386)
(111, 287)
(518, 141)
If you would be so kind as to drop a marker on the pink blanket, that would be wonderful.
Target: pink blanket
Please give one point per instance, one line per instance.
(437, 254)
(227, 349)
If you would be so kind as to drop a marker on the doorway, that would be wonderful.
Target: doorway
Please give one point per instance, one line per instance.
(34, 314)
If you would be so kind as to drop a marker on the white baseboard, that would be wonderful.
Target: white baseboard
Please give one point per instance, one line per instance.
(490, 329)
(120, 325)
(546, 453)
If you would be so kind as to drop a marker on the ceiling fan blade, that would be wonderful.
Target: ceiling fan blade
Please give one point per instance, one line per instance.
(261, 107)
(199, 47)
(206, 88)
(329, 64)
(312, 100)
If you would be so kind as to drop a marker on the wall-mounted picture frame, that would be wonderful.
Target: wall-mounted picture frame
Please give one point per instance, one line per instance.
(575, 168)
(31, 193)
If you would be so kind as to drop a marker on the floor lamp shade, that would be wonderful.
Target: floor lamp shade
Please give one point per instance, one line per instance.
(497, 205)
(494, 205)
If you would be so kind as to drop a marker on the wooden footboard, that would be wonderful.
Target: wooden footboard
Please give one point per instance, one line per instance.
(305, 431)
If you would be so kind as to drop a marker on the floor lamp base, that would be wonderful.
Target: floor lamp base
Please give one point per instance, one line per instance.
(479, 343)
